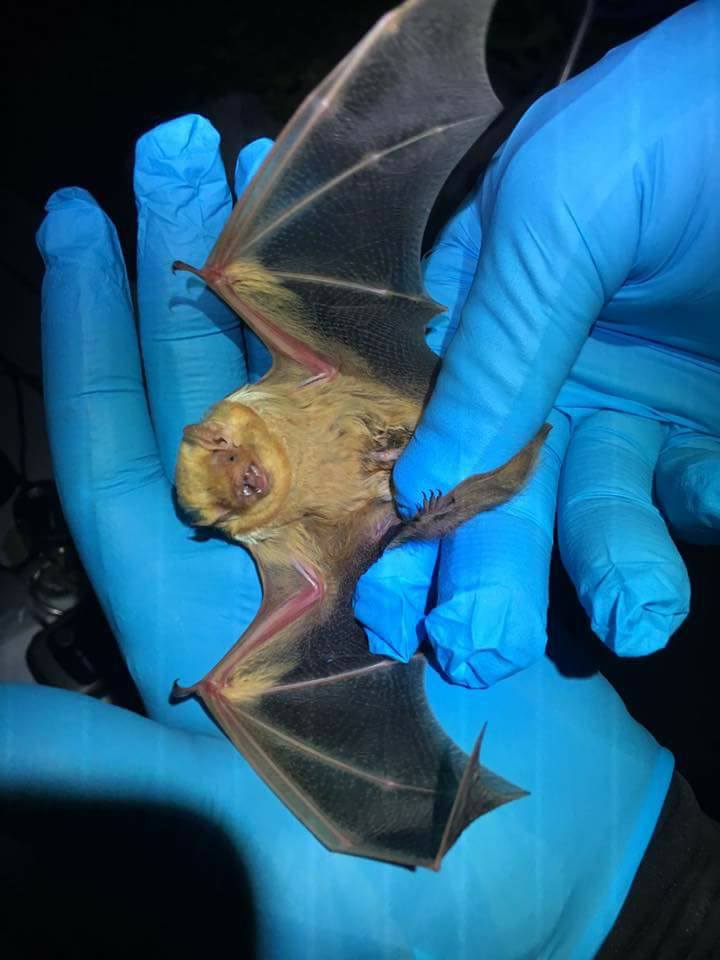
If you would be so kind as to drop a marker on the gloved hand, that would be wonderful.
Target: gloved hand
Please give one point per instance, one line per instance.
(176, 604)
(581, 276)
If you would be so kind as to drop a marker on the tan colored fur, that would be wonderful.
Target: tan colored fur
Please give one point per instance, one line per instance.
(255, 284)
(206, 492)
(318, 442)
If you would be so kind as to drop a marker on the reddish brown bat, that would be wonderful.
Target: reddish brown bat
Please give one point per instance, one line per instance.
(321, 257)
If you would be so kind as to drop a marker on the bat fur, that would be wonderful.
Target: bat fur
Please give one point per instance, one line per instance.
(326, 452)
(321, 258)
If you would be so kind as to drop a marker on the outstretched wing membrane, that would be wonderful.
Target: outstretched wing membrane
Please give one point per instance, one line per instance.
(321, 255)
(300, 697)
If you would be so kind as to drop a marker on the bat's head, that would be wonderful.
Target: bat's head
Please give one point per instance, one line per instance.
(232, 472)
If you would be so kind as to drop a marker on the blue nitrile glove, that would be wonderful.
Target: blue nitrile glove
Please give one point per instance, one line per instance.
(541, 877)
(600, 215)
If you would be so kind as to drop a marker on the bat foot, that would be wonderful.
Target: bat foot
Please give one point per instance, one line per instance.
(430, 502)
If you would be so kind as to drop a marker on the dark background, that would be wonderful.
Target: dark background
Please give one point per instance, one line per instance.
(82, 82)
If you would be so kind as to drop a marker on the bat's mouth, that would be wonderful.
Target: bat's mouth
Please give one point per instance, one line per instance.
(255, 481)
(231, 470)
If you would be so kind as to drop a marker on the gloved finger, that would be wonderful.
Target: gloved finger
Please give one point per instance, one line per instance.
(613, 541)
(192, 343)
(391, 599)
(102, 441)
(249, 161)
(69, 747)
(534, 293)
(448, 273)
(491, 611)
(687, 486)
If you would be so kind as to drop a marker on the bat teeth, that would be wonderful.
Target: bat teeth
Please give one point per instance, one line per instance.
(255, 481)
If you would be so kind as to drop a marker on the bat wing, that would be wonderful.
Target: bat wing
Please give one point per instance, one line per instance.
(347, 740)
(321, 255)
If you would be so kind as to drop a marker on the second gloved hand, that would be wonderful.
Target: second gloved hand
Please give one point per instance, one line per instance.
(581, 288)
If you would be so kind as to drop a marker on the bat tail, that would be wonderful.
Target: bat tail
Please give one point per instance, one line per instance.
(440, 514)
(479, 791)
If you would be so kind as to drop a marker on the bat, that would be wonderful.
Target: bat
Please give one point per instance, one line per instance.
(321, 258)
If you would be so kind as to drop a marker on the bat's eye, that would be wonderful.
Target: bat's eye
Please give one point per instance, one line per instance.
(231, 458)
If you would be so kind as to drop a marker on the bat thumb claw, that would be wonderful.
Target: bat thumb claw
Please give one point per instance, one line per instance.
(181, 265)
(209, 274)
(182, 693)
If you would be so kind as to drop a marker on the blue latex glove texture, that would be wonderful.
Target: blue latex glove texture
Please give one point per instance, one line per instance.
(582, 274)
(541, 877)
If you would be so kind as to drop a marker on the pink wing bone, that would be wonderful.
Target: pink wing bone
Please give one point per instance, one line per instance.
(270, 620)
(322, 368)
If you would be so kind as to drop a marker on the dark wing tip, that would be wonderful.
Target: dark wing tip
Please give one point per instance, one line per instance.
(479, 791)
(458, 818)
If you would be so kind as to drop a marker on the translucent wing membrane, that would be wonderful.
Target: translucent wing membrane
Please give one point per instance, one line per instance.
(399, 791)
(321, 256)
(337, 211)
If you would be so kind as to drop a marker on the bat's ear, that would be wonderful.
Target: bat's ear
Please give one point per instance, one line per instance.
(209, 434)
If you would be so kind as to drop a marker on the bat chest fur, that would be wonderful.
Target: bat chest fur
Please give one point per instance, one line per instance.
(341, 439)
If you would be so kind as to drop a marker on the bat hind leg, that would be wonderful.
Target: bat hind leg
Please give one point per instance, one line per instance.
(440, 514)
(435, 517)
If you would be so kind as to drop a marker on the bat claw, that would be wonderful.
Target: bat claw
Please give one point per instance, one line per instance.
(182, 693)
(430, 501)
(209, 274)
(180, 265)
